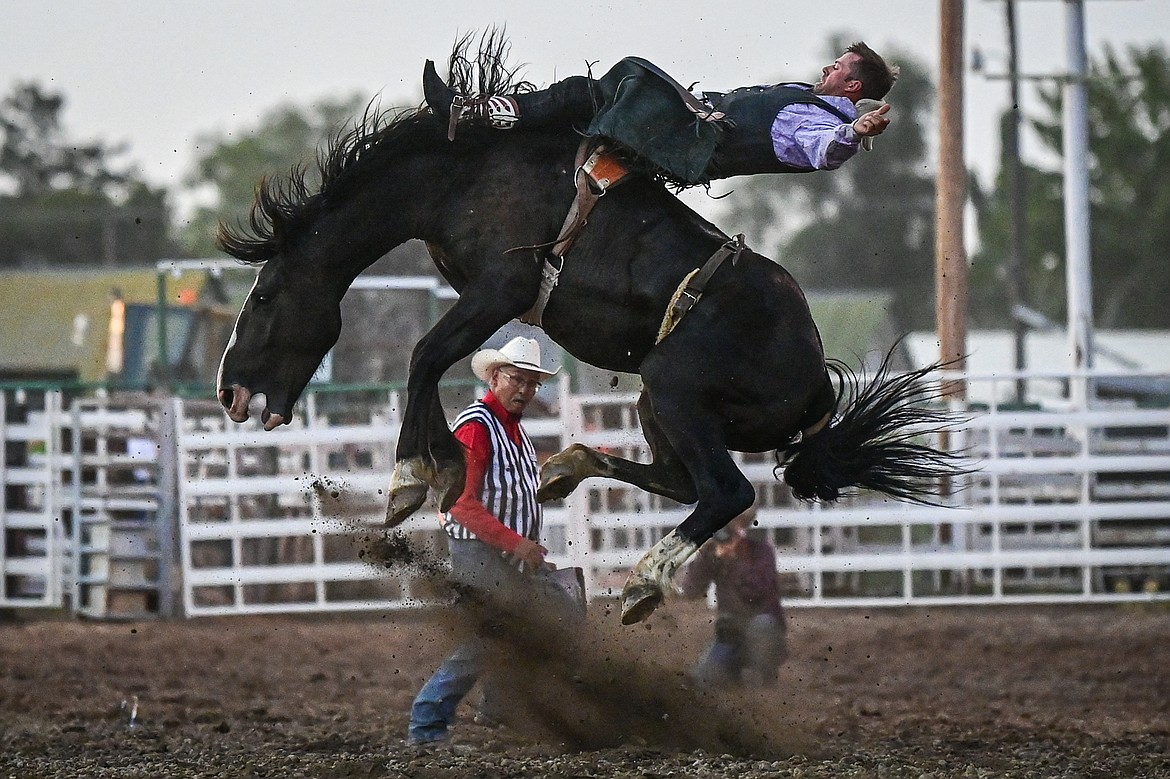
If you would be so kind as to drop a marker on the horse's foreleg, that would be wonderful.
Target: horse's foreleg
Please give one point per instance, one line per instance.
(450, 471)
(428, 456)
(409, 483)
(444, 471)
(437, 463)
(441, 469)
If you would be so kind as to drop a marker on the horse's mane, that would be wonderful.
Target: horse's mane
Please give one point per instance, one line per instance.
(486, 72)
(284, 202)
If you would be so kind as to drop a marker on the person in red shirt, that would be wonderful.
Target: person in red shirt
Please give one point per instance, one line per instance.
(493, 530)
(750, 630)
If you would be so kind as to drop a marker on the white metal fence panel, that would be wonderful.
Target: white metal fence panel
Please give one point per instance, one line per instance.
(121, 496)
(1064, 506)
(289, 520)
(34, 559)
(280, 521)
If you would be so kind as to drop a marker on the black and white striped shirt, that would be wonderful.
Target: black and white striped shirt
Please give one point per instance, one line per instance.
(510, 481)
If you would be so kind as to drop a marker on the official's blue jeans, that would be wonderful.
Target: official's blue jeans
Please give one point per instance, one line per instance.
(478, 566)
(434, 707)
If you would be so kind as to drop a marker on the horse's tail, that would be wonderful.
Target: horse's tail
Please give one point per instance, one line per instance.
(874, 442)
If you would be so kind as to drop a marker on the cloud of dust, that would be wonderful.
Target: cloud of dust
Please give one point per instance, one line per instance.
(592, 683)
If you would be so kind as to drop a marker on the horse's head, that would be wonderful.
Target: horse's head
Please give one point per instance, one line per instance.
(386, 181)
(289, 321)
(310, 244)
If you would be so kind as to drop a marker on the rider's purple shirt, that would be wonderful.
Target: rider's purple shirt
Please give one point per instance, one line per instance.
(807, 136)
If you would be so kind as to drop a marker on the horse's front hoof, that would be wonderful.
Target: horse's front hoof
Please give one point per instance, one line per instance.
(404, 501)
(639, 599)
(409, 484)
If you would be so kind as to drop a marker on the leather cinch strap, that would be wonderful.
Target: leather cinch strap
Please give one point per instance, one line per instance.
(692, 287)
(597, 170)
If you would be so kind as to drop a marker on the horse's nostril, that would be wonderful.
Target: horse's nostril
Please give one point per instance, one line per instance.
(226, 397)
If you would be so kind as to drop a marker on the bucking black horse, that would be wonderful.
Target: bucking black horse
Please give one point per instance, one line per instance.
(744, 370)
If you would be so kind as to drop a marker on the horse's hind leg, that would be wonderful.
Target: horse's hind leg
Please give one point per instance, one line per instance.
(723, 493)
(665, 475)
(690, 464)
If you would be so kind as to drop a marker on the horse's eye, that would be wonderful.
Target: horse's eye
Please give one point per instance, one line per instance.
(262, 298)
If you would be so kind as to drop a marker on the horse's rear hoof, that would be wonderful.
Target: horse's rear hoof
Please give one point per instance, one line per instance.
(554, 488)
(562, 472)
(639, 599)
(404, 501)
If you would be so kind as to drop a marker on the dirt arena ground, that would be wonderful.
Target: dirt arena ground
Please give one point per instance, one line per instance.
(970, 692)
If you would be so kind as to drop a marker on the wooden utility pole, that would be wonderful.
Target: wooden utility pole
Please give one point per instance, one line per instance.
(951, 195)
(950, 255)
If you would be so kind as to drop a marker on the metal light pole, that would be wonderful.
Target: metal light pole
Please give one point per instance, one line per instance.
(1017, 188)
(1078, 278)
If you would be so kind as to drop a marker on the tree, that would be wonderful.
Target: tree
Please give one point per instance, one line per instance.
(35, 155)
(230, 168)
(63, 201)
(1129, 150)
(867, 225)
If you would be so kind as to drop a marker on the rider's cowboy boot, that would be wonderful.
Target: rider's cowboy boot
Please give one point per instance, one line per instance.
(565, 102)
(501, 112)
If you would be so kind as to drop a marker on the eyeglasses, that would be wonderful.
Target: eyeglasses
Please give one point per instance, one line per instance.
(519, 382)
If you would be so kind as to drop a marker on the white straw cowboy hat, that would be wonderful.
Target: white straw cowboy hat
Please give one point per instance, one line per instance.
(521, 352)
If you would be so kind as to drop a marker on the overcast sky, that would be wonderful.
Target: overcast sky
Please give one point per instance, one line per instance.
(157, 75)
